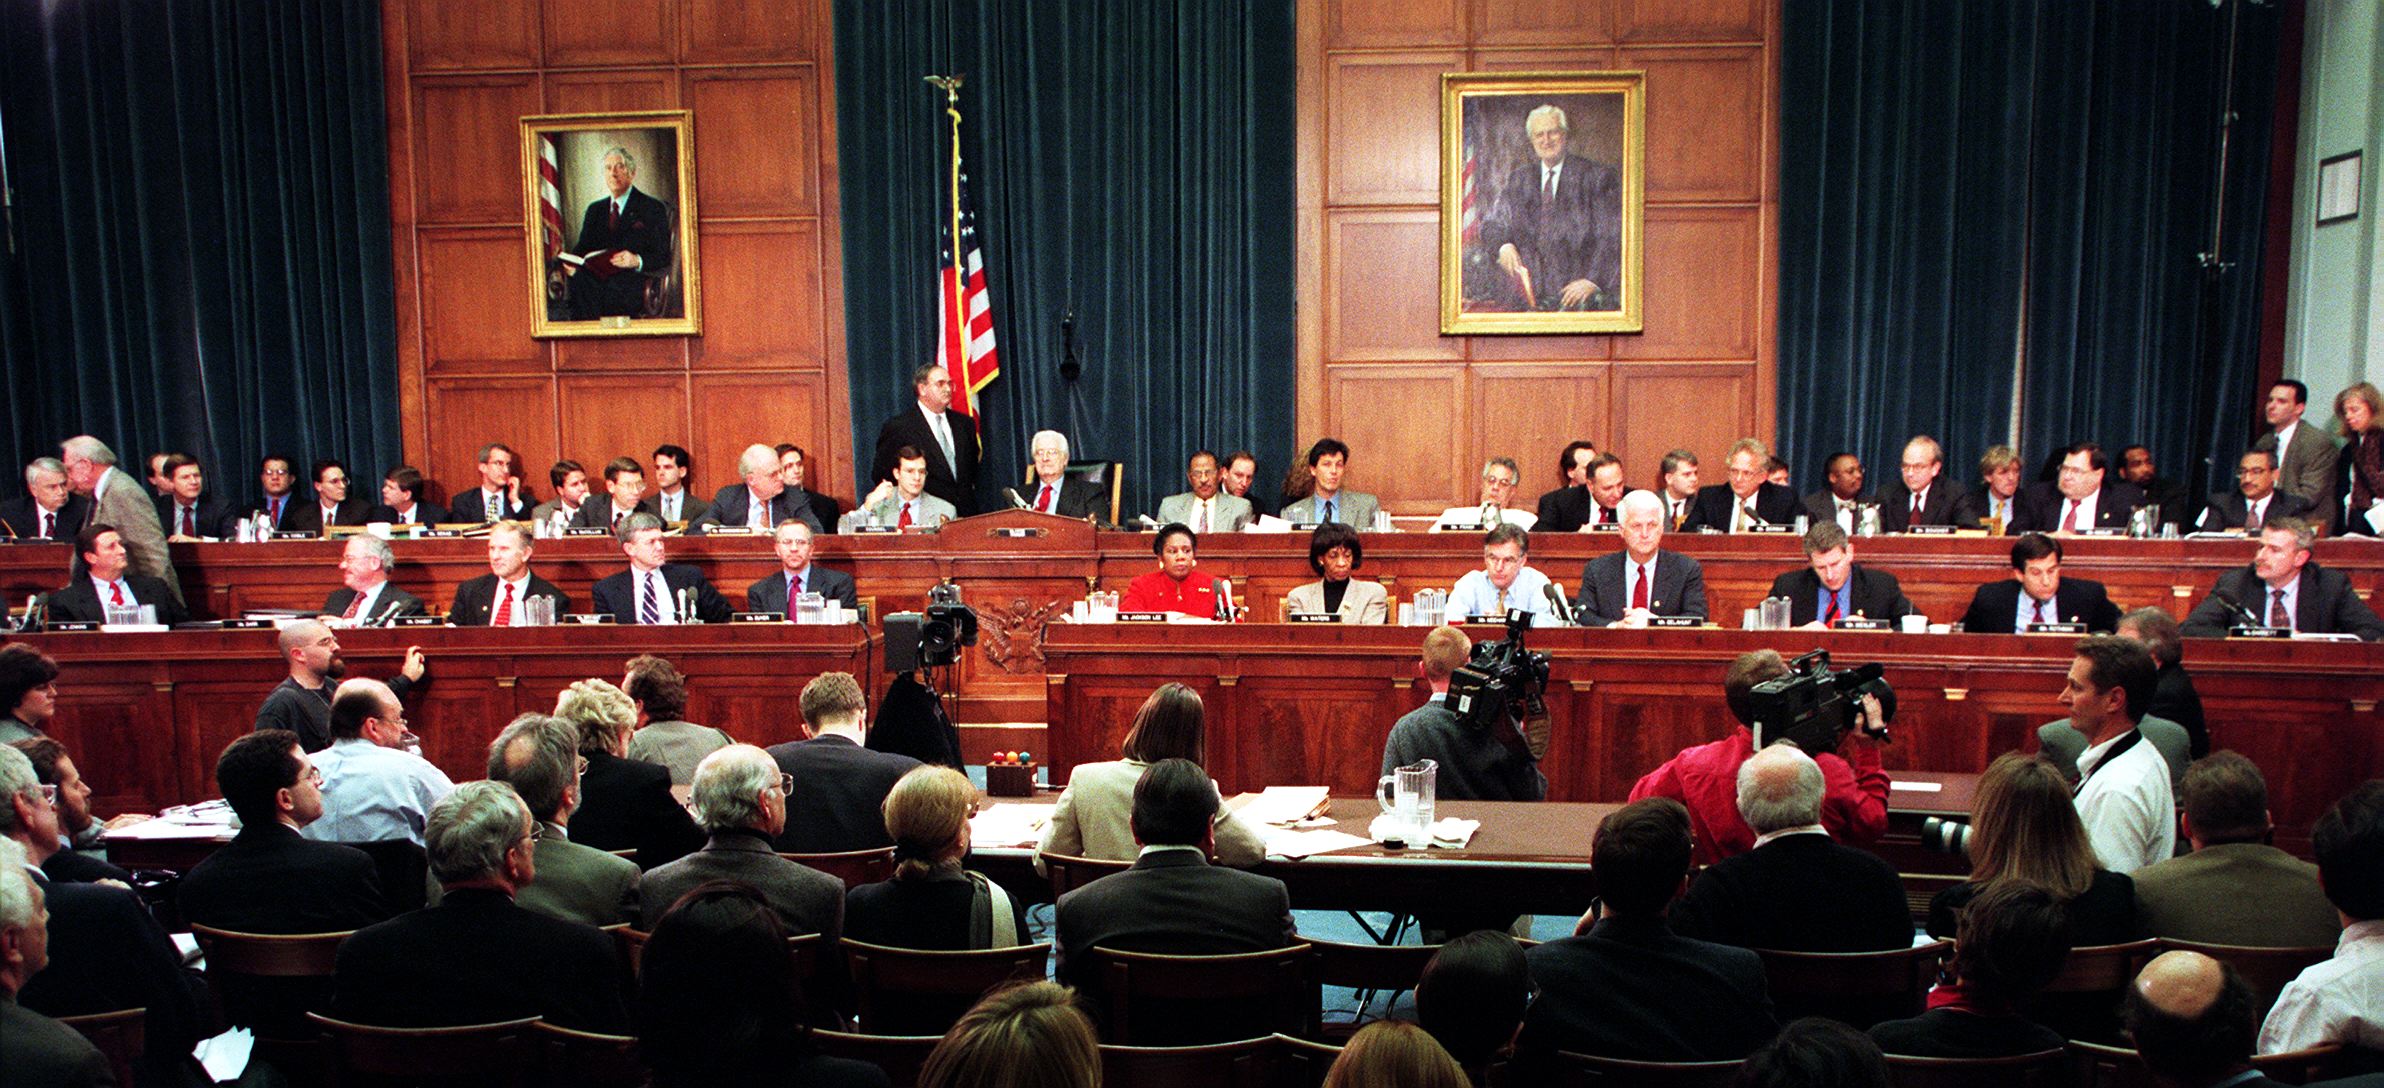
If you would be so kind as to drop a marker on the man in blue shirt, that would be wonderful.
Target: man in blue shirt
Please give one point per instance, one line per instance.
(373, 788)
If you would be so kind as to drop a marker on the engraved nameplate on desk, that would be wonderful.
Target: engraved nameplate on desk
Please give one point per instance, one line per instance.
(1675, 621)
(1863, 623)
(1770, 529)
(588, 617)
(732, 530)
(2232, 632)
(1933, 530)
(2063, 628)
(1016, 532)
(71, 625)
(587, 530)
(2103, 532)
(867, 529)
(1314, 617)
(295, 534)
(436, 534)
(757, 617)
(1605, 527)
(1304, 526)
(248, 625)
(1142, 617)
(418, 621)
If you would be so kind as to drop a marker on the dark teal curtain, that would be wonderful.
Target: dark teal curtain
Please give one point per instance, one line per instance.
(1128, 162)
(200, 252)
(1962, 179)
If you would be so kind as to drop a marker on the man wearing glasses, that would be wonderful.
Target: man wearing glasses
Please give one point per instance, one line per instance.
(2080, 500)
(740, 799)
(278, 482)
(1499, 478)
(374, 788)
(538, 755)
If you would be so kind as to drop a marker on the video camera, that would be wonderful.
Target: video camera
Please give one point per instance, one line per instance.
(1504, 683)
(930, 639)
(1814, 706)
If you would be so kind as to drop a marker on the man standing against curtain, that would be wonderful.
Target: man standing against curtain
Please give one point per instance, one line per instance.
(949, 441)
(2305, 455)
(117, 500)
(1555, 229)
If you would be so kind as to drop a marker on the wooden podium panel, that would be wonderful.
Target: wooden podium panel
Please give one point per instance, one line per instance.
(1313, 704)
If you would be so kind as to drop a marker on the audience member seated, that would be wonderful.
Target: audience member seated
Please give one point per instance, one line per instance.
(2337, 1001)
(107, 583)
(366, 597)
(2013, 937)
(1491, 764)
(538, 756)
(35, 1049)
(1796, 890)
(28, 692)
(1831, 586)
(717, 999)
(2173, 696)
(624, 803)
(2235, 888)
(1629, 587)
(1031, 1035)
(2124, 793)
(931, 902)
(1472, 998)
(2284, 587)
(660, 692)
(1179, 585)
(105, 951)
(1994, 502)
(1174, 902)
(1625, 986)
(798, 575)
(1842, 501)
(1705, 778)
(1748, 500)
(402, 502)
(652, 591)
(83, 858)
(1206, 507)
(374, 790)
(2192, 1019)
(1394, 1054)
(1092, 818)
(302, 703)
(479, 957)
(1816, 1053)
(1328, 468)
(1335, 552)
(1499, 478)
(495, 599)
(2254, 499)
(624, 497)
(2023, 827)
(2079, 499)
(499, 496)
(740, 799)
(2037, 592)
(1920, 495)
(1506, 582)
(836, 787)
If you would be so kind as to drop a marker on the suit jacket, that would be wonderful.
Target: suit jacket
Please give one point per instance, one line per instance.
(932, 510)
(475, 600)
(1561, 237)
(2037, 508)
(107, 953)
(597, 513)
(1172, 902)
(270, 879)
(23, 519)
(840, 789)
(627, 804)
(1797, 893)
(1972, 510)
(2307, 468)
(645, 230)
(426, 512)
(1077, 498)
(475, 958)
(953, 483)
(80, 600)
(691, 506)
(289, 508)
(1711, 510)
(617, 594)
(125, 505)
(2229, 510)
(45, 1052)
(307, 516)
(2325, 604)
(1232, 512)
(1094, 818)
(392, 602)
(470, 506)
(1995, 607)
(769, 594)
(213, 516)
(807, 900)
(1355, 509)
(2174, 698)
(1872, 593)
(731, 505)
(1362, 602)
(2236, 893)
(1895, 505)
(1564, 510)
(1630, 988)
(1604, 594)
(579, 883)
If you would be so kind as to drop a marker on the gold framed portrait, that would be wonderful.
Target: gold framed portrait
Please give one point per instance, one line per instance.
(1543, 196)
(609, 199)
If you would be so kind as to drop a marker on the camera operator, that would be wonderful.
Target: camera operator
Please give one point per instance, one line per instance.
(1475, 764)
(1705, 777)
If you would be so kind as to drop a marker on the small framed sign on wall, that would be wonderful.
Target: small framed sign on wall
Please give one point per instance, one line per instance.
(2339, 186)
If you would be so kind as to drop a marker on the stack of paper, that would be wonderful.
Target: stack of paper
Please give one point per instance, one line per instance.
(1286, 804)
(1010, 824)
(1300, 844)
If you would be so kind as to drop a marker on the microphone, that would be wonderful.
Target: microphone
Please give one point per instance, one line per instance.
(2237, 608)
(1070, 369)
(1016, 503)
(1556, 599)
(387, 613)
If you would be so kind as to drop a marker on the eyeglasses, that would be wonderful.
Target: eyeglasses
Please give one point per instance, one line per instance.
(314, 777)
(49, 794)
(582, 769)
(537, 833)
(786, 785)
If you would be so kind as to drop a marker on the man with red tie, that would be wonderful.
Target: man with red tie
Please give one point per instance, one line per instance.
(2284, 588)
(1629, 587)
(49, 508)
(365, 596)
(186, 511)
(2081, 499)
(1921, 495)
(797, 575)
(1053, 491)
(1832, 586)
(903, 501)
(107, 585)
(495, 599)
(280, 484)
(625, 488)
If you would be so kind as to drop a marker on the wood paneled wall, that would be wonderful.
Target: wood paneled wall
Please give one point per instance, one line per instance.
(1375, 370)
(769, 366)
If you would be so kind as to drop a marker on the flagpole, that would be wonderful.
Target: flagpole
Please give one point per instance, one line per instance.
(958, 318)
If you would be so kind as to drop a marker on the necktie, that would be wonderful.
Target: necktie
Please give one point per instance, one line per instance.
(1605, 515)
(2040, 613)
(276, 512)
(618, 518)
(943, 437)
(2069, 517)
(1328, 516)
(330, 517)
(670, 508)
(757, 512)
(649, 610)
(355, 605)
(504, 616)
(116, 594)
(613, 219)
(2277, 616)
(1829, 617)
(1043, 501)
(491, 504)
(904, 520)
(1639, 592)
(1679, 514)
(189, 528)
(2252, 517)
(1502, 602)
(1202, 516)
(1915, 511)
(47, 524)
(794, 584)
(1548, 184)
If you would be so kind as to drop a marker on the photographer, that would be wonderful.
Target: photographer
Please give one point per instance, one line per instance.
(1705, 778)
(1475, 764)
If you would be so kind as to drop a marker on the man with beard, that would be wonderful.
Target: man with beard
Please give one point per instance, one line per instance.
(302, 703)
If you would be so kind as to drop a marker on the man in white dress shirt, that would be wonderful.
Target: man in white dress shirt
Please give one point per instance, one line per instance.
(2124, 796)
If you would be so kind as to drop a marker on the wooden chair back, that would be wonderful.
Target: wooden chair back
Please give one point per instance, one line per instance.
(1858, 988)
(901, 1056)
(2099, 1065)
(1147, 995)
(1371, 966)
(913, 991)
(632, 942)
(268, 955)
(1302, 1063)
(1588, 1069)
(2050, 1069)
(585, 1059)
(485, 1054)
(1242, 1063)
(2265, 970)
(854, 867)
(122, 1037)
(1069, 872)
(2082, 1002)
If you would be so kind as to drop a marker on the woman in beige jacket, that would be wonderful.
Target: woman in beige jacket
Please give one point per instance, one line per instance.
(1094, 815)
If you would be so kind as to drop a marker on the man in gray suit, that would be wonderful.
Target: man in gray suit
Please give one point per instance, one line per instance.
(1610, 593)
(1328, 463)
(117, 500)
(538, 756)
(740, 798)
(1206, 507)
(2306, 454)
(903, 501)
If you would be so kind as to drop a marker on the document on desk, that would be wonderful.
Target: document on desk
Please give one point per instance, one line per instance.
(1010, 825)
(1286, 804)
(1300, 844)
(206, 821)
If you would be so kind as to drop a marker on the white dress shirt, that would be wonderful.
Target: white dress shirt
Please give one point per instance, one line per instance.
(521, 591)
(2083, 508)
(2340, 1000)
(2128, 808)
(1475, 596)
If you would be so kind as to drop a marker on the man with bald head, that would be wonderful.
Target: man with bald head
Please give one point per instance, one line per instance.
(1798, 889)
(302, 703)
(374, 790)
(1920, 494)
(2191, 1018)
(758, 500)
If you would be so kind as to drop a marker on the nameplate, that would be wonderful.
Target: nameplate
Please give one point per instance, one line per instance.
(732, 530)
(33, 540)
(436, 534)
(1933, 530)
(868, 529)
(1863, 623)
(2057, 628)
(72, 625)
(1016, 532)
(757, 617)
(1314, 617)
(2102, 532)
(588, 617)
(418, 621)
(2232, 632)
(1675, 621)
(1142, 617)
(295, 534)
(1485, 618)
(248, 625)
(1310, 526)
(1781, 529)
(1604, 527)
(587, 530)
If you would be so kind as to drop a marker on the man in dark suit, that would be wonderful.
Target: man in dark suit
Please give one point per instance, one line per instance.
(839, 786)
(652, 591)
(365, 594)
(625, 495)
(1797, 890)
(761, 501)
(1831, 586)
(2173, 499)
(106, 583)
(1553, 225)
(78, 860)
(2284, 587)
(270, 879)
(1572, 496)
(2254, 500)
(1628, 587)
(624, 804)
(34, 1048)
(1994, 503)
(499, 496)
(1599, 502)
(1842, 501)
(1626, 986)
(797, 574)
(479, 957)
(740, 794)
(2173, 694)
(187, 512)
(495, 599)
(1921, 495)
(2080, 499)
(2037, 593)
(1053, 491)
(277, 475)
(792, 462)
(627, 240)
(332, 505)
(1172, 901)
(402, 502)
(2306, 455)
(674, 495)
(948, 439)
(1748, 499)
(49, 508)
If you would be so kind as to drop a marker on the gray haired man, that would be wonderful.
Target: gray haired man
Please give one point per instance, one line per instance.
(740, 799)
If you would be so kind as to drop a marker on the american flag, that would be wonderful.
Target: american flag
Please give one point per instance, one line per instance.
(964, 323)
(550, 194)
(1471, 215)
